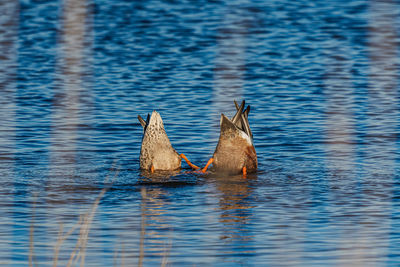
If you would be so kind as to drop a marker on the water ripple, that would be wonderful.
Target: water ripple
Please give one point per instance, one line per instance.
(321, 78)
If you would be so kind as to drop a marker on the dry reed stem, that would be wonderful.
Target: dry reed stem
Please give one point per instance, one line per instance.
(122, 255)
(84, 233)
(143, 227)
(84, 222)
(73, 253)
(119, 254)
(115, 258)
(167, 248)
(32, 258)
(61, 238)
(166, 254)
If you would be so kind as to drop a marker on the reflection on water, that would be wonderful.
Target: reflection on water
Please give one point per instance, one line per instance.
(235, 208)
(322, 80)
(155, 236)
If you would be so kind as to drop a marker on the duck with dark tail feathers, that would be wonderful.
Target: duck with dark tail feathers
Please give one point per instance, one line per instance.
(235, 152)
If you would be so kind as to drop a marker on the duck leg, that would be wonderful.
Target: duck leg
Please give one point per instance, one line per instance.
(194, 167)
(244, 171)
(211, 160)
(152, 169)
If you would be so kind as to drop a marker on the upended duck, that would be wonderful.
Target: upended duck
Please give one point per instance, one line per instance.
(157, 152)
(235, 152)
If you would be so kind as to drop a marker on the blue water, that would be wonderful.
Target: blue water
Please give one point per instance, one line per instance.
(322, 79)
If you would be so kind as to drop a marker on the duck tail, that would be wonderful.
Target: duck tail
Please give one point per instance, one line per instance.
(241, 118)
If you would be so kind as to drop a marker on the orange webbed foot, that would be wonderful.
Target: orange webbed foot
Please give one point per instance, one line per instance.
(152, 169)
(244, 171)
(211, 160)
(194, 167)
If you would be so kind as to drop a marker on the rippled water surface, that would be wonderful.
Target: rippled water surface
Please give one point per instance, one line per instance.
(322, 79)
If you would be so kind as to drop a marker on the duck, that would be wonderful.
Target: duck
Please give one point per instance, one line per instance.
(157, 153)
(235, 152)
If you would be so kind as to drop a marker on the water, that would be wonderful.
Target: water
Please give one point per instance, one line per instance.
(322, 79)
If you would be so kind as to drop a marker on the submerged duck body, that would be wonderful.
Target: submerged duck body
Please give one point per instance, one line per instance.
(235, 152)
(157, 152)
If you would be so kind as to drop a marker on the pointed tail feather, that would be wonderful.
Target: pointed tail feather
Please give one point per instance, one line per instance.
(247, 111)
(246, 120)
(239, 111)
(142, 122)
(241, 118)
(245, 123)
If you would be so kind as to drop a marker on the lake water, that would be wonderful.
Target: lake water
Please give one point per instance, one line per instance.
(322, 79)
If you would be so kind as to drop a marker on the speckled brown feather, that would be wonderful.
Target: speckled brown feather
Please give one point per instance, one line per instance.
(156, 148)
